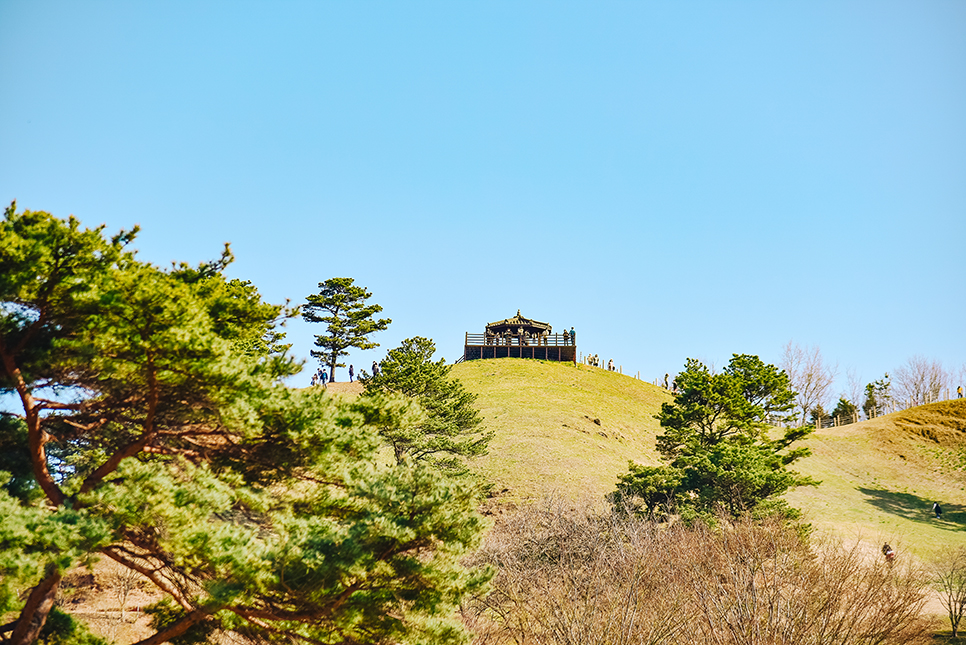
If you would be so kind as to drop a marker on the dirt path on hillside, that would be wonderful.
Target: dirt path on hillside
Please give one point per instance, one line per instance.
(354, 388)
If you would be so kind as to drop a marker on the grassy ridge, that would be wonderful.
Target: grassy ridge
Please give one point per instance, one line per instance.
(879, 477)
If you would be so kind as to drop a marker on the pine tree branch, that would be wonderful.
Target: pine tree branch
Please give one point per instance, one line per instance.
(118, 554)
(135, 447)
(176, 629)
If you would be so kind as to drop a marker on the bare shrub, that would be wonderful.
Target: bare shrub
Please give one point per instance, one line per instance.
(574, 576)
(919, 381)
(810, 376)
(949, 570)
(760, 584)
(568, 577)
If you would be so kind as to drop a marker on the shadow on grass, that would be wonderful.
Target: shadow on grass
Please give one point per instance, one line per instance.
(916, 508)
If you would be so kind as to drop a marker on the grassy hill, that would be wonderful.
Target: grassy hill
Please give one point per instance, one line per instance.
(561, 428)
(879, 477)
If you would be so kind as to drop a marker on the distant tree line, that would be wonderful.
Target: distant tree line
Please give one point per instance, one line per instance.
(916, 382)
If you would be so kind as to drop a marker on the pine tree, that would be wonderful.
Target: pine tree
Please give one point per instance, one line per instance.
(715, 443)
(173, 450)
(342, 307)
(449, 430)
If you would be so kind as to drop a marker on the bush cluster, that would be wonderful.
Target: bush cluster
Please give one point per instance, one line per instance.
(579, 576)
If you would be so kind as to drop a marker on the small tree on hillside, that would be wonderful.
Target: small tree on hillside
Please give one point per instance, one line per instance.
(878, 397)
(716, 445)
(342, 306)
(845, 412)
(950, 575)
(450, 429)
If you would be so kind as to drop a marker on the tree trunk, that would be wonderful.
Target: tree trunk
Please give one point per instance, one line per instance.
(176, 629)
(35, 611)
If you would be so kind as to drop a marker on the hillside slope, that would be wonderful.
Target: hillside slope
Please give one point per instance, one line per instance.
(879, 477)
(545, 418)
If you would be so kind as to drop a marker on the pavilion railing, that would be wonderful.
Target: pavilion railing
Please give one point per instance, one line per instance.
(550, 340)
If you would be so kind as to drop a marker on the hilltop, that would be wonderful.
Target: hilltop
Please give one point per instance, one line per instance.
(879, 477)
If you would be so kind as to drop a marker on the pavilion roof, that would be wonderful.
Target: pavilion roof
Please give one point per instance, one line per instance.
(514, 323)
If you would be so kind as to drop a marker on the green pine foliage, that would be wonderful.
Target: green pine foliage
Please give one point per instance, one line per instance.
(878, 397)
(349, 321)
(845, 411)
(450, 428)
(158, 435)
(719, 455)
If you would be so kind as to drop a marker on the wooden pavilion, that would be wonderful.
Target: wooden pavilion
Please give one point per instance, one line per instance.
(519, 337)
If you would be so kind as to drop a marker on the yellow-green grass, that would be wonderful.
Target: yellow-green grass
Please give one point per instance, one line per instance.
(546, 440)
(879, 477)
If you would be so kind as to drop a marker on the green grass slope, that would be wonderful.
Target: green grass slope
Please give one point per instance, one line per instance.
(879, 477)
(543, 414)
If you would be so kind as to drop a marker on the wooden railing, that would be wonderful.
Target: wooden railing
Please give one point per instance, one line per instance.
(550, 340)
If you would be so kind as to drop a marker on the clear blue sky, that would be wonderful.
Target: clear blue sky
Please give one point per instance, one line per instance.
(672, 179)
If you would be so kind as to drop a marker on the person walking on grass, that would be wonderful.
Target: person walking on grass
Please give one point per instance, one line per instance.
(938, 510)
(351, 373)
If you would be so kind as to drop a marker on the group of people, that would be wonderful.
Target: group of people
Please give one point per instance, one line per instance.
(594, 361)
(506, 337)
(321, 377)
(571, 336)
(674, 385)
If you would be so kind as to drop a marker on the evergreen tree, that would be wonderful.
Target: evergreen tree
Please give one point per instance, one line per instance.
(169, 446)
(342, 307)
(878, 396)
(715, 442)
(845, 411)
(449, 429)
(820, 418)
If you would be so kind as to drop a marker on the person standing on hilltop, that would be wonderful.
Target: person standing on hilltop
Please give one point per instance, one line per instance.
(573, 336)
(959, 392)
(351, 373)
